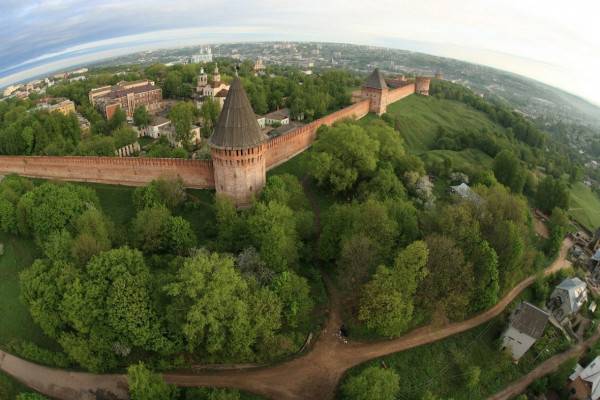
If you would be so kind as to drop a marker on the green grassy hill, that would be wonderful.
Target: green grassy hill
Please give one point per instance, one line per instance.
(420, 119)
(585, 206)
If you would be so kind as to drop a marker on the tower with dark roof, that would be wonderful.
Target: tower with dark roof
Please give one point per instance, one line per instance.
(237, 149)
(376, 90)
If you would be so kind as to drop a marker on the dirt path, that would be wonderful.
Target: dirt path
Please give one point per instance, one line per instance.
(312, 376)
(547, 367)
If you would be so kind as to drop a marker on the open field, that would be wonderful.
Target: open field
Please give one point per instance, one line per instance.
(585, 206)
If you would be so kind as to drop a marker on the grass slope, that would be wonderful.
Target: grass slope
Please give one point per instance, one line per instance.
(442, 367)
(16, 323)
(420, 117)
(585, 206)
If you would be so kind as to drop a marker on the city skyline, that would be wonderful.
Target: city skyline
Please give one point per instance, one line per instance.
(537, 40)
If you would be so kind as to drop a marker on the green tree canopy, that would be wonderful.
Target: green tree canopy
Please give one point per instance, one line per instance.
(387, 301)
(508, 171)
(146, 385)
(373, 383)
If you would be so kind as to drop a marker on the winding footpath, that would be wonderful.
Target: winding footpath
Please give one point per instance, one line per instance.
(314, 375)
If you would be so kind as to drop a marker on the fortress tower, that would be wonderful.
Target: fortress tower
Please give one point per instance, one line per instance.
(376, 90)
(422, 85)
(237, 149)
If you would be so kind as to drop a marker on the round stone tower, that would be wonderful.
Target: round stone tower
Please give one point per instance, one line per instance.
(376, 90)
(422, 85)
(237, 149)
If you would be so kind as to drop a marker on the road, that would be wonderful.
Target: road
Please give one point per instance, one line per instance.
(314, 375)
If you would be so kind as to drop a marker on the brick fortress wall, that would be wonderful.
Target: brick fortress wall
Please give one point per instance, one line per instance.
(130, 171)
(397, 94)
(138, 171)
(282, 148)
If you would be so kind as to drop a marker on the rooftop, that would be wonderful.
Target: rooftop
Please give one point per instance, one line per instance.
(237, 127)
(529, 319)
(375, 80)
(282, 113)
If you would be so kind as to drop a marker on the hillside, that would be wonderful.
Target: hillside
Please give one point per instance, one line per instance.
(421, 118)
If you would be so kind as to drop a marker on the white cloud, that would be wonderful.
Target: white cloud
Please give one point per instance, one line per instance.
(549, 40)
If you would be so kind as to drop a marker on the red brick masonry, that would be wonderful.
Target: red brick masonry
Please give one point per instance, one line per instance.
(137, 171)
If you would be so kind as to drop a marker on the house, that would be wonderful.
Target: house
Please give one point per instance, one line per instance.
(526, 326)
(567, 298)
(585, 382)
(157, 124)
(278, 117)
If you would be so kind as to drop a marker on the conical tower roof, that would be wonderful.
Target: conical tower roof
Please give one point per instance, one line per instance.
(375, 80)
(237, 127)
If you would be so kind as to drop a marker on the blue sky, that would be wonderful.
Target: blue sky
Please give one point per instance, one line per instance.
(555, 42)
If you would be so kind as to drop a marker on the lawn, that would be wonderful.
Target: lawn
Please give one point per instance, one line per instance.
(17, 324)
(585, 206)
(441, 367)
(420, 117)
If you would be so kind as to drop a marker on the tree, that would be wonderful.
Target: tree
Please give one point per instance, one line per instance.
(51, 207)
(92, 236)
(210, 111)
(508, 171)
(182, 116)
(141, 117)
(124, 136)
(509, 245)
(294, 293)
(373, 383)
(342, 155)
(449, 284)
(386, 303)
(173, 85)
(116, 120)
(98, 314)
(155, 230)
(146, 385)
(552, 193)
(215, 310)
(272, 229)
(150, 229)
(559, 224)
(162, 191)
(211, 394)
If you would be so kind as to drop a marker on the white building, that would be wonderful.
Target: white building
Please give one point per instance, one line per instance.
(279, 117)
(527, 324)
(155, 126)
(204, 56)
(567, 298)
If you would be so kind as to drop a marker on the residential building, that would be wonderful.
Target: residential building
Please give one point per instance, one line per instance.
(526, 326)
(278, 117)
(567, 298)
(127, 96)
(61, 105)
(84, 124)
(585, 382)
(153, 129)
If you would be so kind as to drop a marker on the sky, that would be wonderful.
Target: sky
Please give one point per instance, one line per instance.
(557, 43)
